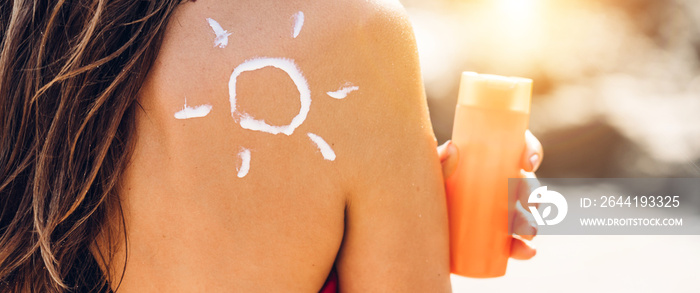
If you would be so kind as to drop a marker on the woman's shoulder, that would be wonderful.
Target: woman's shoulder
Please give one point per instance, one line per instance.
(239, 69)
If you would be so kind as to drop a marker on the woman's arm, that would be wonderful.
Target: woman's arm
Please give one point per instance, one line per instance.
(396, 221)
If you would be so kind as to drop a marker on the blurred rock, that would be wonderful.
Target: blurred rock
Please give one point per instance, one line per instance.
(592, 150)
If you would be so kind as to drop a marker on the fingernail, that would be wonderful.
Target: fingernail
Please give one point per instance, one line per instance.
(533, 230)
(451, 148)
(535, 161)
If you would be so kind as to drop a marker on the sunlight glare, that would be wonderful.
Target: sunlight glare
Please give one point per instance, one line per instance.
(516, 32)
(517, 17)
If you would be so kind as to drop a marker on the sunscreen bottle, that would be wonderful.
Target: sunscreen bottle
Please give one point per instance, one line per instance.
(489, 131)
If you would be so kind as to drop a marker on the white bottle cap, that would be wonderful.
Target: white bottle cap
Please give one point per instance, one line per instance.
(495, 92)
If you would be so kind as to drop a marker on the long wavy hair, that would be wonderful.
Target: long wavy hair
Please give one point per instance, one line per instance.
(70, 71)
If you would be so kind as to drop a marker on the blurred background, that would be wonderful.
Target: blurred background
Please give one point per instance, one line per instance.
(616, 82)
(616, 94)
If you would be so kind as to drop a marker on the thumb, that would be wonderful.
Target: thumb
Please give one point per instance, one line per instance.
(449, 158)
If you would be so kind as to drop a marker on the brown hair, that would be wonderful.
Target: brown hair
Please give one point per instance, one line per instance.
(70, 71)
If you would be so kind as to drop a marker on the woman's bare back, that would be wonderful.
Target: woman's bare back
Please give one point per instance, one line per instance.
(275, 138)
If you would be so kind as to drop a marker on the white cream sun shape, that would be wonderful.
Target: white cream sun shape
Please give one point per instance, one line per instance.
(249, 122)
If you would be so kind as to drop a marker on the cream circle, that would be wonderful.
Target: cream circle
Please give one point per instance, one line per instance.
(288, 66)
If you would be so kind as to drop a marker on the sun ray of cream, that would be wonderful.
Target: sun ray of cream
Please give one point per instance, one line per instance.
(221, 39)
(245, 163)
(193, 112)
(298, 23)
(343, 92)
(323, 146)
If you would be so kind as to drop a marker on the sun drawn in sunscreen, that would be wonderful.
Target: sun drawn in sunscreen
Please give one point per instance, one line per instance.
(288, 66)
(291, 69)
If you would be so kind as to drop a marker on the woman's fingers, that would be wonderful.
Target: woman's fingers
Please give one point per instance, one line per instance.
(522, 249)
(442, 151)
(524, 223)
(449, 157)
(526, 185)
(532, 156)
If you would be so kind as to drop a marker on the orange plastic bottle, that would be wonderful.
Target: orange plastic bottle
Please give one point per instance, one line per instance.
(489, 131)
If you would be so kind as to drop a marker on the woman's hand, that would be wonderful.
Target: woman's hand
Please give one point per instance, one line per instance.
(524, 225)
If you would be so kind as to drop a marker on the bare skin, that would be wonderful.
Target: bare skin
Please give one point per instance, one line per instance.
(377, 211)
